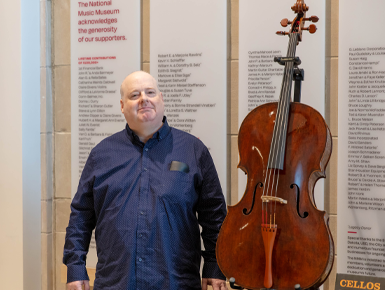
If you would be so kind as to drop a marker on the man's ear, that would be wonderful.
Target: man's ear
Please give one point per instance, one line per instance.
(121, 105)
(161, 95)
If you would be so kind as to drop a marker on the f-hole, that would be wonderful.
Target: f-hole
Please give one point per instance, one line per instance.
(305, 214)
(245, 212)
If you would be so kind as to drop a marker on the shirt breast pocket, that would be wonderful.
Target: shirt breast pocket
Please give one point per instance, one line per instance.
(177, 186)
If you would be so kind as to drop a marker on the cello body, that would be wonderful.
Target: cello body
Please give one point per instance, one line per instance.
(275, 237)
(302, 251)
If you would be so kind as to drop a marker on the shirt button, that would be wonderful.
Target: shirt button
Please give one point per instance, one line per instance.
(142, 213)
(140, 259)
(145, 169)
(140, 235)
(146, 149)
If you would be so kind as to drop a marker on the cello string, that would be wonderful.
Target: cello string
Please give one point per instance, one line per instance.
(279, 120)
(286, 95)
(282, 109)
(282, 113)
(272, 154)
(274, 149)
(286, 104)
(278, 133)
(292, 45)
(279, 124)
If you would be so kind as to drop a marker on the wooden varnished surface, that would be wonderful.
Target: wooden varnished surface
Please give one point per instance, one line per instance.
(303, 249)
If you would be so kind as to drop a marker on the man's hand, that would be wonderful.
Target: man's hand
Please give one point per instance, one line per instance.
(77, 285)
(217, 284)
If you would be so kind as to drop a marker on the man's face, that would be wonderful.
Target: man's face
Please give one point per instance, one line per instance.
(142, 103)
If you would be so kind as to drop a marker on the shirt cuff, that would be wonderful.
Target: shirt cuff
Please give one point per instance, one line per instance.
(76, 273)
(211, 270)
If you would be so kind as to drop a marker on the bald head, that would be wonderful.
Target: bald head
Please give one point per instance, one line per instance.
(132, 76)
(142, 104)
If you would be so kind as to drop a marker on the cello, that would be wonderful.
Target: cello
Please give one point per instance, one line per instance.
(275, 237)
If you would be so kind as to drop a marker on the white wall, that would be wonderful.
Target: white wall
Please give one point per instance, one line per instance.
(30, 109)
(19, 145)
(11, 217)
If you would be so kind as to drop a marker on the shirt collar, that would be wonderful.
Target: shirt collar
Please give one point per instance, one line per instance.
(158, 135)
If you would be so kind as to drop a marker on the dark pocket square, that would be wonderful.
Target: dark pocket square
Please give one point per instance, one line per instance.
(179, 166)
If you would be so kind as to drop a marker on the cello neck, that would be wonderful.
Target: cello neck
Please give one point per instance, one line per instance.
(277, 148)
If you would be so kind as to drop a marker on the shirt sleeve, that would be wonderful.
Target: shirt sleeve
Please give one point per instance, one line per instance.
(82, 222)
(211, 213)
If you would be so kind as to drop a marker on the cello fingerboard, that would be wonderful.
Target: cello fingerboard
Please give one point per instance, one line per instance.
(278, 142)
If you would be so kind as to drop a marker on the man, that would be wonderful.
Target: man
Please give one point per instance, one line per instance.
(146, 189)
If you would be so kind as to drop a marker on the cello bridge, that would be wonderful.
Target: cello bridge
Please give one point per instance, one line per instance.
(273, 198)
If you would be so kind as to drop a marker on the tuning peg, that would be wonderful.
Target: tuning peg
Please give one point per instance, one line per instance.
(312, 19)
(285, 22)
(312, 28)
(282, 33)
